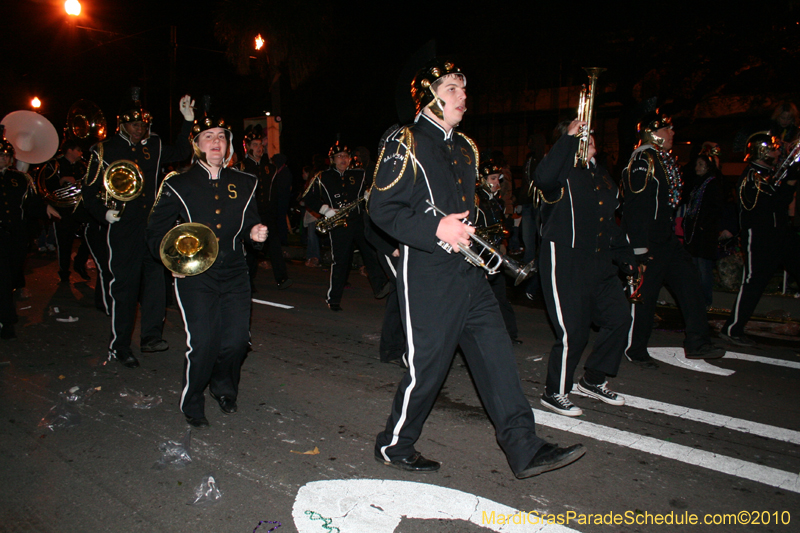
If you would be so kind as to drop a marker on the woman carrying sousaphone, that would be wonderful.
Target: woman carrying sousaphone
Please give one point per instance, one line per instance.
(214, 298)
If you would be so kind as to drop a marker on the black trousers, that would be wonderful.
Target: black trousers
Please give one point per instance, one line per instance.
(95, 234)
(443, 306)
(765, 252)
(134, 273)
(66, 229)
(498, 284)
(11, 259)
(274, 251)
(343, 243)
(393, 338)
(581, 288)
(216, 314)
(671, 265)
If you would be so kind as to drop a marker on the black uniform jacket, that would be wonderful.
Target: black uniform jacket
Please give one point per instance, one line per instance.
(60, 167)
(422, 163)
(262, 170)
(647, 217)
(490, 213)
(18, 201)
(226, 205)
(579, 204)
(148, 154)
(336, 189)
(761, 205)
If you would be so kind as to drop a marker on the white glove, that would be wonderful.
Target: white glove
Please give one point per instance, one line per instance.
(111, 216)
(518, 210)
(187, 108)
(327, 211)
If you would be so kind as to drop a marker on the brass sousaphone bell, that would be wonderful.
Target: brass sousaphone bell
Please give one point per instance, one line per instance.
(189, 249)
(123, 181)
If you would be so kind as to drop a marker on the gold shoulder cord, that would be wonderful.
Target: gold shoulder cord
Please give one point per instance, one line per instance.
(756, 182)
(99, 165)
(648, 175)
(31, 184)
(543, 199)
(407, 138)
(311, 184)
(158, 196)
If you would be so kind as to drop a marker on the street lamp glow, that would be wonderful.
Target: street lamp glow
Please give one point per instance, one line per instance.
(72, 7)
(259, 42)
(36, 103)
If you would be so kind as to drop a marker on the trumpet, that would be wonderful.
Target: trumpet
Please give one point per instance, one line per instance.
(495, 260)
(585, 109)
(635, 284)
(340, 218)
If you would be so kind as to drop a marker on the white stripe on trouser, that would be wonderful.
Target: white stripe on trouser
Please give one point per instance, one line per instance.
(630, 331)
(564, 337)
(746, 274)
(110, 289)
(333, 263)
(189, 348)
(97, 265)
(411, 370)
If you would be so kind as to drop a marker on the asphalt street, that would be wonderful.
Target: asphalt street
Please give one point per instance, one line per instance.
(692, 441)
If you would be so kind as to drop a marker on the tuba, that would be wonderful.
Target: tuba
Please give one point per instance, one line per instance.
(85, 121)
(495, 260)
(189, 249)
(123, 181)
(66, 196)
(585, 109)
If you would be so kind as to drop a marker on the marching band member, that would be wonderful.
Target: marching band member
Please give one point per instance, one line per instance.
(490, 214)
(582, 252)
(215, 304)
(329, 191)
(21, 201)
(652, 187)
(133, 270)
(444, 300)
(768, 241)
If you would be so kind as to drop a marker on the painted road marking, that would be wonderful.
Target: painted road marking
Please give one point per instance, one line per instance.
(765, 360)
(722, 421)
(678, 452)
(273, 304)
(378, 506)
(676, 357)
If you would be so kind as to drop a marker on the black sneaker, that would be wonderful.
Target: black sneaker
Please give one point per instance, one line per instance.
(740, 340)
(154, 345)
(126, 358)
(335, 307)
(600, 392)
(550, 457)
(559, 403)
(285, 284)
(706, 351)
(414, 463)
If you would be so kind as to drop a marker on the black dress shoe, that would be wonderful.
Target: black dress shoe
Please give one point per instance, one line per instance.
(64, 276)
(644, 363)
(550, 457)
(415, 463)
(384, 291)
(706, 351)
(516, 341)
(154, 345)
(228, 405)
(335, 307)
(197, 423)
(285, 284)
(81, 271)
(127, 359)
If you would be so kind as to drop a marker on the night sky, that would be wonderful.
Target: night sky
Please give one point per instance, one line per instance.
(676, 54)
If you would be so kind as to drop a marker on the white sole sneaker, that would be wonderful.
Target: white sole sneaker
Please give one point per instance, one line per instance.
(573, 410)
(616, 400)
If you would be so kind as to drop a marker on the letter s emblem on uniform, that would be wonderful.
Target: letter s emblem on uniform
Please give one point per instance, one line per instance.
(466, 156)
(352, 180)
(146, 152)
(14, 182)
(232, 190)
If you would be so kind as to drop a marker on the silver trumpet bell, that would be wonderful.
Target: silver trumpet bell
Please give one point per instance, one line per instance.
(494, 260)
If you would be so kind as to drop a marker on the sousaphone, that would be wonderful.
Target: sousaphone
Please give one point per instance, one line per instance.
(33, 137)
(85, 121)
(189, 249)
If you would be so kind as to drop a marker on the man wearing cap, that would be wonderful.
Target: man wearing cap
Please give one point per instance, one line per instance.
(445, 301)
(652, 186)
(133, 269)
(768, 241)
(329, 191)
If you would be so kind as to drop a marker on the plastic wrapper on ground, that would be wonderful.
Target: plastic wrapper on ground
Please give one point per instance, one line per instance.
(207, 493)
(174, 454)
(61, 416)
(138, 400)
